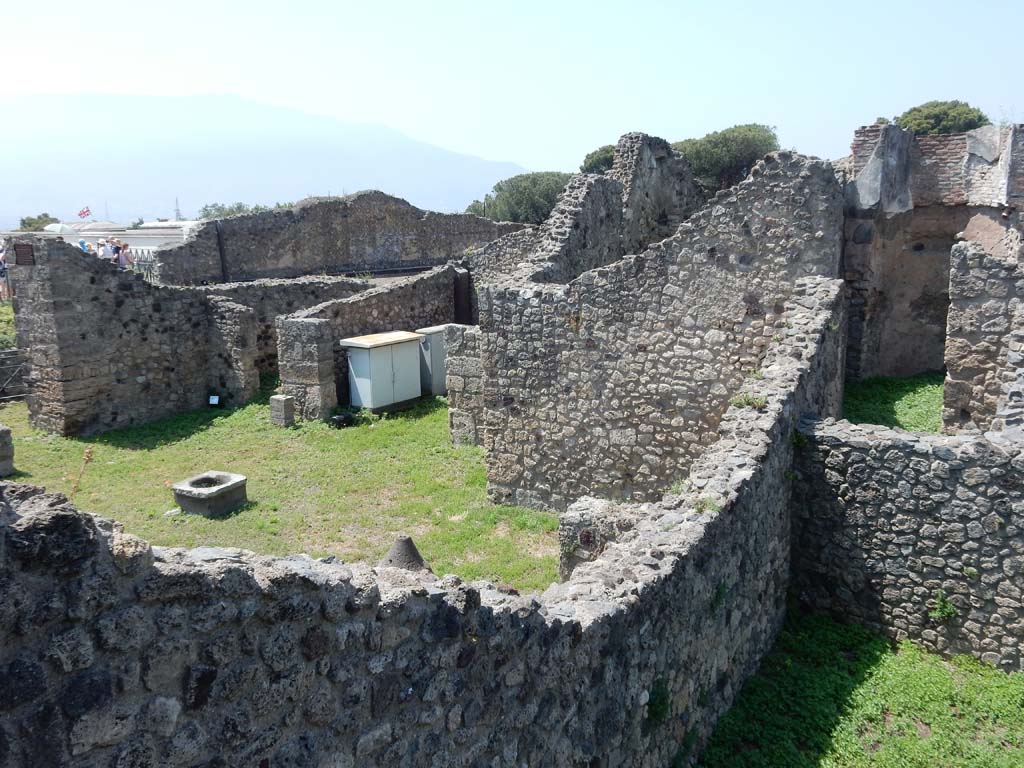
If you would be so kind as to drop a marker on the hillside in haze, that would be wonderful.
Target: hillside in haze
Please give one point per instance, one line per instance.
(133, 155)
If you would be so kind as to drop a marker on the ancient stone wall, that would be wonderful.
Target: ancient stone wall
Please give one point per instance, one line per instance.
(897, 268)
(597, 218)
(612, 385)
(365, 231)
(918, 536)
(113, 653)
(464, 377)
(658, 190)
(107, 349)
(908, 200)
(985, 290)
(584, 230)
(233, 349)
(271, 298)
(1015, 174)
(313, 367)
(1009, 416)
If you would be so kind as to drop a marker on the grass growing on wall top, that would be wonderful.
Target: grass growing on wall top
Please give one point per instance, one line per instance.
(312, 488)
(839, 696)
(913, 403)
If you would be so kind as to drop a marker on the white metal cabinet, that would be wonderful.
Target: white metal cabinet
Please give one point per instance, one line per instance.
(383, 369)
(432, 359)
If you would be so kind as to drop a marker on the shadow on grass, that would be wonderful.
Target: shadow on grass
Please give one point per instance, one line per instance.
(424, 407)
(786, 713)
(171, 429)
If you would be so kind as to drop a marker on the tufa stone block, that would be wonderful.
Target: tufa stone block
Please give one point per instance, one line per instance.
(282, 410)
(211, 494)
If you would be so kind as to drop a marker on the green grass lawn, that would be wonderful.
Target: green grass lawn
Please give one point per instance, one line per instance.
(836, 696)
(312, 488)
(913, 403)
(7, 340)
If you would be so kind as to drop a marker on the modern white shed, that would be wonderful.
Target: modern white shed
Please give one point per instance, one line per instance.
(432, 360)
(383, 369)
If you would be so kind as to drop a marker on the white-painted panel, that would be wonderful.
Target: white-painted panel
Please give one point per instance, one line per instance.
(406, 361)
(432, 360)
(381, 376)
(359, 385)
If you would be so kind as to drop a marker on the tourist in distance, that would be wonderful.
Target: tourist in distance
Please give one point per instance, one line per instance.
(124, 257)
(5, 286)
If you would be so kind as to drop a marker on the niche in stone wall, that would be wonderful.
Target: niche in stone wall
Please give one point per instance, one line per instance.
(898, 268)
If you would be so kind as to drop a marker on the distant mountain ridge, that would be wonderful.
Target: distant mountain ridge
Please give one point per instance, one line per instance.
(131, 156)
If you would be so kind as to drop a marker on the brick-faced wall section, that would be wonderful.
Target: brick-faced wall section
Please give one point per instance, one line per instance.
(865, 139)
(938, 169)
(107, 349)
(313, 367)
(365, 231)
(917, 536)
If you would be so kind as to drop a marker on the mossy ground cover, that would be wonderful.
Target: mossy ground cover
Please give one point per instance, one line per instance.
(837, 696)
(312, 488)
(913, 403)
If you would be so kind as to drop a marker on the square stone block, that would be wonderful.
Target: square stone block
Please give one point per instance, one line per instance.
(282, 410)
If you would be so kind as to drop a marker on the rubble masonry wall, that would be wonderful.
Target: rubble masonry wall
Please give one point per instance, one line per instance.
(116, 653)
(889, 525)
(612, 385)
(362, 232)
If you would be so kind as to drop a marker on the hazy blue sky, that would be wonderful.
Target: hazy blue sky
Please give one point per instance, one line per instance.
(538, 83)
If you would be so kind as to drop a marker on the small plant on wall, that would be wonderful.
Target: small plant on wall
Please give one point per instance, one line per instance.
(658, 704)
(746, 400)
(943, 610)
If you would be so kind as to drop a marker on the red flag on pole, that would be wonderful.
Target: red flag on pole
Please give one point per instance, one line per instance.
(84, 213)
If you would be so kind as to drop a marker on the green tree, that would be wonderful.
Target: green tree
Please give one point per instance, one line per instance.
(527, 198)
(724, 158)
(36, 223)
(222, 211)
(942, 117)
(600, 160)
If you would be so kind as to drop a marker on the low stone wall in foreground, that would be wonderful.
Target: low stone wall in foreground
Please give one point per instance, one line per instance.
(918, 536)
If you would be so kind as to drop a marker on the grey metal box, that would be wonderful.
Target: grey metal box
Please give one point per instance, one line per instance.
(432, 359)
(383, 369)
